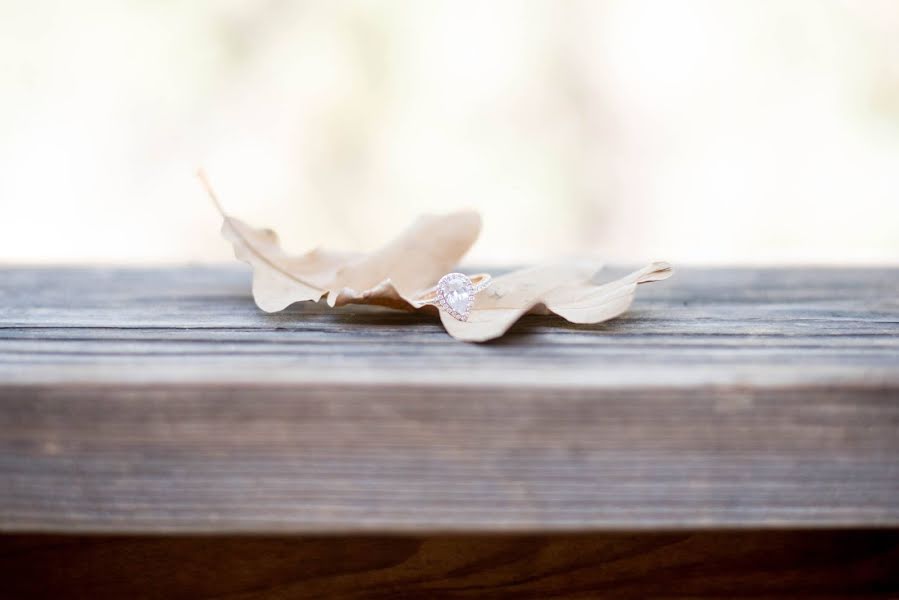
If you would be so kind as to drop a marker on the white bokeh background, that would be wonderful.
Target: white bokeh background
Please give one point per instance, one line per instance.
(692, 131)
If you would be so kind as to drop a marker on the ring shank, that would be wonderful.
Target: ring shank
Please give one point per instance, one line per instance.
(480, 281)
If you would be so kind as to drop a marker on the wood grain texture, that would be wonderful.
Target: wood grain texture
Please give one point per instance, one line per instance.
(136, 400)
(770, 565)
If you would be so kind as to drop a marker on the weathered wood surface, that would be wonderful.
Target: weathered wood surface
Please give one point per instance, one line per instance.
(163, 400)
(725, 565)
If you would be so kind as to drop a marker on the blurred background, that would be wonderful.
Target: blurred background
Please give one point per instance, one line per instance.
(691, 131)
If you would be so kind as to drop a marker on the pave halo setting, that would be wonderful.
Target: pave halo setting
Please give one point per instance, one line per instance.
(455, 293)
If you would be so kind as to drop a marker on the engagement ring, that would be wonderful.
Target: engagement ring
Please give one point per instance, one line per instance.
(455, 294)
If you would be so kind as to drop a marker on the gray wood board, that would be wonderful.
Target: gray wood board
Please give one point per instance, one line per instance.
(150, 400)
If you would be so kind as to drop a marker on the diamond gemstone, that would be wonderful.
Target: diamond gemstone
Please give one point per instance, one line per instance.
(455, 294)
(458, 295)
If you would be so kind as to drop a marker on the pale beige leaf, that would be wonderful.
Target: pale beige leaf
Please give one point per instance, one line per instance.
(398, 273)
(389, 276)
(598, 303)
(563, 289)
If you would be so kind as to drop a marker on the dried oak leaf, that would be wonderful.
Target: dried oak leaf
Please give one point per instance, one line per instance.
(395, 274)
(390, 276)
(565, 289)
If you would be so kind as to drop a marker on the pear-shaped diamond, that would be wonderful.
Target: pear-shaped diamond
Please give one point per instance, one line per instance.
(456, 294)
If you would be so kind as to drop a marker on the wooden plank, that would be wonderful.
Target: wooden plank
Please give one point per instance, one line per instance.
(770, 565)
(408, 458)
(161, 400)
(703, 327)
